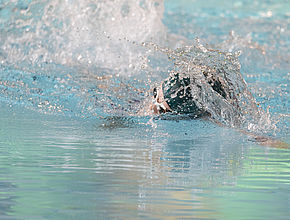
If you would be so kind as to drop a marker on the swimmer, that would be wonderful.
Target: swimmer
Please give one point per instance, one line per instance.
(175, 96)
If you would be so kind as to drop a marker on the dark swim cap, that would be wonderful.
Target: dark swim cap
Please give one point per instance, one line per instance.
(177, 94)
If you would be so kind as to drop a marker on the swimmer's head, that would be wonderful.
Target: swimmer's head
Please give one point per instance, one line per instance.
(178, 95)
(174, 95)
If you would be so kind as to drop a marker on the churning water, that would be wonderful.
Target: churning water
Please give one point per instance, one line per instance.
(74, 78)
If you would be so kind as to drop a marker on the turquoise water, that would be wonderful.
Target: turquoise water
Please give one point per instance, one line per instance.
(60, 168)
(73, 148)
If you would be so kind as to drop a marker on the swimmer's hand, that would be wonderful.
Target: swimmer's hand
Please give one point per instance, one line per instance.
(159, 105)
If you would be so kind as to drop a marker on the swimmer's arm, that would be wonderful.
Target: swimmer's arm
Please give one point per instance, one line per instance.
(266, 141)
(262, 140)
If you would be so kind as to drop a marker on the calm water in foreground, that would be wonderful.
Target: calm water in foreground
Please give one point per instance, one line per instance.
(58, 168)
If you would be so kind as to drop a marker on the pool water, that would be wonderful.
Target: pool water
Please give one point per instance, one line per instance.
(60, 168)
(70, 146)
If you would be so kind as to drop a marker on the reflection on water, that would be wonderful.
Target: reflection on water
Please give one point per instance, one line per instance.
(62, 169)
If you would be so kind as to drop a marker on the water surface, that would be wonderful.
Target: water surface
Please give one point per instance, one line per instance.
(69, 149)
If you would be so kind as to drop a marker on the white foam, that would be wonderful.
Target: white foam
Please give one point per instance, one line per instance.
(87, 33)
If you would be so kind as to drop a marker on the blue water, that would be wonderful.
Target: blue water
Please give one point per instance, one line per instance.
(72, 145)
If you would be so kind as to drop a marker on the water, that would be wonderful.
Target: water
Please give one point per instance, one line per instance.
(73, 76)
(59, 168)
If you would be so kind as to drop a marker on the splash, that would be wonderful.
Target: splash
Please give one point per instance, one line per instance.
(79, 33)
(77, 57)
(203, 66)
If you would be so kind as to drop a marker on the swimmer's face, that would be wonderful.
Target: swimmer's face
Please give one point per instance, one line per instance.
(159, 105)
